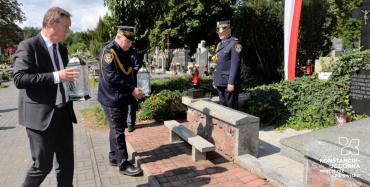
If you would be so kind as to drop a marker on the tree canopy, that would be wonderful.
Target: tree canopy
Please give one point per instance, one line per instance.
(257, 23)
(346, 27)
(10, 14)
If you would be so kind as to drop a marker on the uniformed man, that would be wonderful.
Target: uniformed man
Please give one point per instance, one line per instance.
(227, 59)
(116, 86)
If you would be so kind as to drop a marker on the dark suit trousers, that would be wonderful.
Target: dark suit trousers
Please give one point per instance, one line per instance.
(56, 139)
(229, 99)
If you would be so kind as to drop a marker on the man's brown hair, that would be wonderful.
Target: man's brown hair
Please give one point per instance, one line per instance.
(54, 13)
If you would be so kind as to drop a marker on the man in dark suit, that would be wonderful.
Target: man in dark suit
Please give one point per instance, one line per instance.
(116, 87)
(227, 59)
(44, 106)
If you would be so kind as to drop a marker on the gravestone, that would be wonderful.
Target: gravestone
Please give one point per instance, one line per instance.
(201, 58)
(156, 63)
(337, 47)
(360, 92)
(362, 13)
(181, 57)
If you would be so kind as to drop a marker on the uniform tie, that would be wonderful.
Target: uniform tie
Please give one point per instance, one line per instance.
(56, 60)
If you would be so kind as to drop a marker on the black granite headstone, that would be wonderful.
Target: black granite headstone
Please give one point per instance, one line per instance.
(195, 93)
(363, 13)
(360, 92)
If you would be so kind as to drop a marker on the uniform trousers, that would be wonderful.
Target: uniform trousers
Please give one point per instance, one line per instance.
(131, 117)
(229, 99)
(117, 123)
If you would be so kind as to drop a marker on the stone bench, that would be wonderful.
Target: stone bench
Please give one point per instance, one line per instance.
(200, 146)
(234, 133)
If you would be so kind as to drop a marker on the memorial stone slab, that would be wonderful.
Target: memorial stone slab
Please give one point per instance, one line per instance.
(329, 163)
(345, 135)
(360, 92)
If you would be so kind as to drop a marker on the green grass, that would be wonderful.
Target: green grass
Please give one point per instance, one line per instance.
(3, 85)
(95, 113)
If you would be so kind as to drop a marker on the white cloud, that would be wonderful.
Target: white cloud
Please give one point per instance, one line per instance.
(85, 13)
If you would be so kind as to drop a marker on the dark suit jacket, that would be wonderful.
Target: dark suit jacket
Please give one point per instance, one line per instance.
(33, 75)
(228, 64)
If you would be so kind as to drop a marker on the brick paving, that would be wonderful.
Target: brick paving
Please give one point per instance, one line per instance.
(169, 163)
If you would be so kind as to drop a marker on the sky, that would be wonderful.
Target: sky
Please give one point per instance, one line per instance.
(85, 13)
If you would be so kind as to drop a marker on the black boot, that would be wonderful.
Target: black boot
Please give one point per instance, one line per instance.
(130, 170)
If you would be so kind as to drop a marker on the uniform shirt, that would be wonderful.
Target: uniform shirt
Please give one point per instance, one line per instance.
(228, 63)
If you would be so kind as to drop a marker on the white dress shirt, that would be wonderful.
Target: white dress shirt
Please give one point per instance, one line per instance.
(49, 45)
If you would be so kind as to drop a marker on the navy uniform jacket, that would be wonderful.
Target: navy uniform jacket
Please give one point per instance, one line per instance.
(227, 63)
(116, 79)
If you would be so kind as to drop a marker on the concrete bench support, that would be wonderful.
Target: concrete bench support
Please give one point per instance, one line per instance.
(234, 133)
(200, 146)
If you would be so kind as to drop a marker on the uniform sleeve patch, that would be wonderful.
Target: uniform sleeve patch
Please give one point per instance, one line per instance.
(108, 58)
(238, 48)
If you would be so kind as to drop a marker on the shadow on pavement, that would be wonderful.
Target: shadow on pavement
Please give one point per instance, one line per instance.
(8, 110)
(7, 128)
(266, 149)
(140, 125)
(163, 152)
(188, 176)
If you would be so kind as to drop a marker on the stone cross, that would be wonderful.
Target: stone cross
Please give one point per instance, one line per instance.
(362, 12)
(365, 15)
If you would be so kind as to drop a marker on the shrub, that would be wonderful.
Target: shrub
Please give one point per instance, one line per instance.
(308, 102)
(163, 105)
(181, 84)
(4, 72)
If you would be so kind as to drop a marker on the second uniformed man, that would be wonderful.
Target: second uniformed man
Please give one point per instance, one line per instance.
(116, 86)
(227, 74)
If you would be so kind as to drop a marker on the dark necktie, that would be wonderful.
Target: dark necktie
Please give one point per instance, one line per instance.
(56, 60)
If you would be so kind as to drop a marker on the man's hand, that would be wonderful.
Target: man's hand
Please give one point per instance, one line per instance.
(230, 87)
(137, 93)
(70, 74)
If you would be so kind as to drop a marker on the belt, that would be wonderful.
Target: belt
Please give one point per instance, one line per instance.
(61, 105)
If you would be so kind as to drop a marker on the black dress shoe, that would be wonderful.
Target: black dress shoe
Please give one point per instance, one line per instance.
(130, 170)
(131, 128)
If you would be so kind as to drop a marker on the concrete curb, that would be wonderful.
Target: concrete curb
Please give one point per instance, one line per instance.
(152, 180)
(263, 170)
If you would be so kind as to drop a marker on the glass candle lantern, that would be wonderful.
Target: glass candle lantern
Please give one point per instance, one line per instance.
(79, 89)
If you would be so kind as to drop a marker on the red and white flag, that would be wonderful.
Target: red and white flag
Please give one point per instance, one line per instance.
(292, 14)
